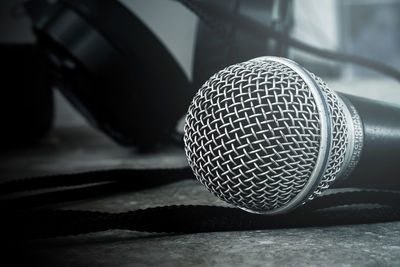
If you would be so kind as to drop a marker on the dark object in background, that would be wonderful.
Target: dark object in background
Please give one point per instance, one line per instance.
(115, 71)
(26, 102)
(112, 68)
(213, 53)
(371, 29)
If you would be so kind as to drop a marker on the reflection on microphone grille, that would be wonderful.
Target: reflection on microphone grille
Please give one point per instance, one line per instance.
(254, 135)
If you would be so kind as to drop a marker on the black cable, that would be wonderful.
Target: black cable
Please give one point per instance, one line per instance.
(90, 184)
(36, 200)
(216, 19)
(354, 197)
(194, 219)
(140, 178)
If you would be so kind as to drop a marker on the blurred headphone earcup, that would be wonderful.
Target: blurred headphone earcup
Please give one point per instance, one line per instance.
(121, 77)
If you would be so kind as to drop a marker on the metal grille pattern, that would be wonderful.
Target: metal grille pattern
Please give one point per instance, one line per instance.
(252, 135)
(339, 137)
(339, 131)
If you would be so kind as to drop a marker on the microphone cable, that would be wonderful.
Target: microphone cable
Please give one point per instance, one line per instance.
(30, 217)
(53, 189)
(218, 21)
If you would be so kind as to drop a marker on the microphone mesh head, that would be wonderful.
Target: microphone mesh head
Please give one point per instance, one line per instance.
(259, 135)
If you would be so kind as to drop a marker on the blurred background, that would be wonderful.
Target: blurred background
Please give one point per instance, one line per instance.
(174, 50)
(363, 28)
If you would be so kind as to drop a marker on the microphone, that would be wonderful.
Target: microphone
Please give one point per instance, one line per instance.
(266, 135)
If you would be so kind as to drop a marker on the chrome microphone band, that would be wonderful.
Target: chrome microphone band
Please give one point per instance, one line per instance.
(339, 137)
(356, 139)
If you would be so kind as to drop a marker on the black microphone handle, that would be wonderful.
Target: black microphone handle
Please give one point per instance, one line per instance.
(379, 164)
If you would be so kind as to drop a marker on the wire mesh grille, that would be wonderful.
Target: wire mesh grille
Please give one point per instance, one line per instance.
(252, 135)
(339, 126)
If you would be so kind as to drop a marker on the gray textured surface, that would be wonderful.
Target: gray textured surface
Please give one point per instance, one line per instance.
(361, 245)
(73, 146)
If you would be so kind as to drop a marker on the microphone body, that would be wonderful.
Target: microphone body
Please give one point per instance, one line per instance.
(378, 166)
(267, 136)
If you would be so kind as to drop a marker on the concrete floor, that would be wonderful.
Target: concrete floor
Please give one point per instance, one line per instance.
(74, 146)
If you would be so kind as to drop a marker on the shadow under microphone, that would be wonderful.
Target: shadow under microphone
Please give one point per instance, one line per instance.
(267, 136)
